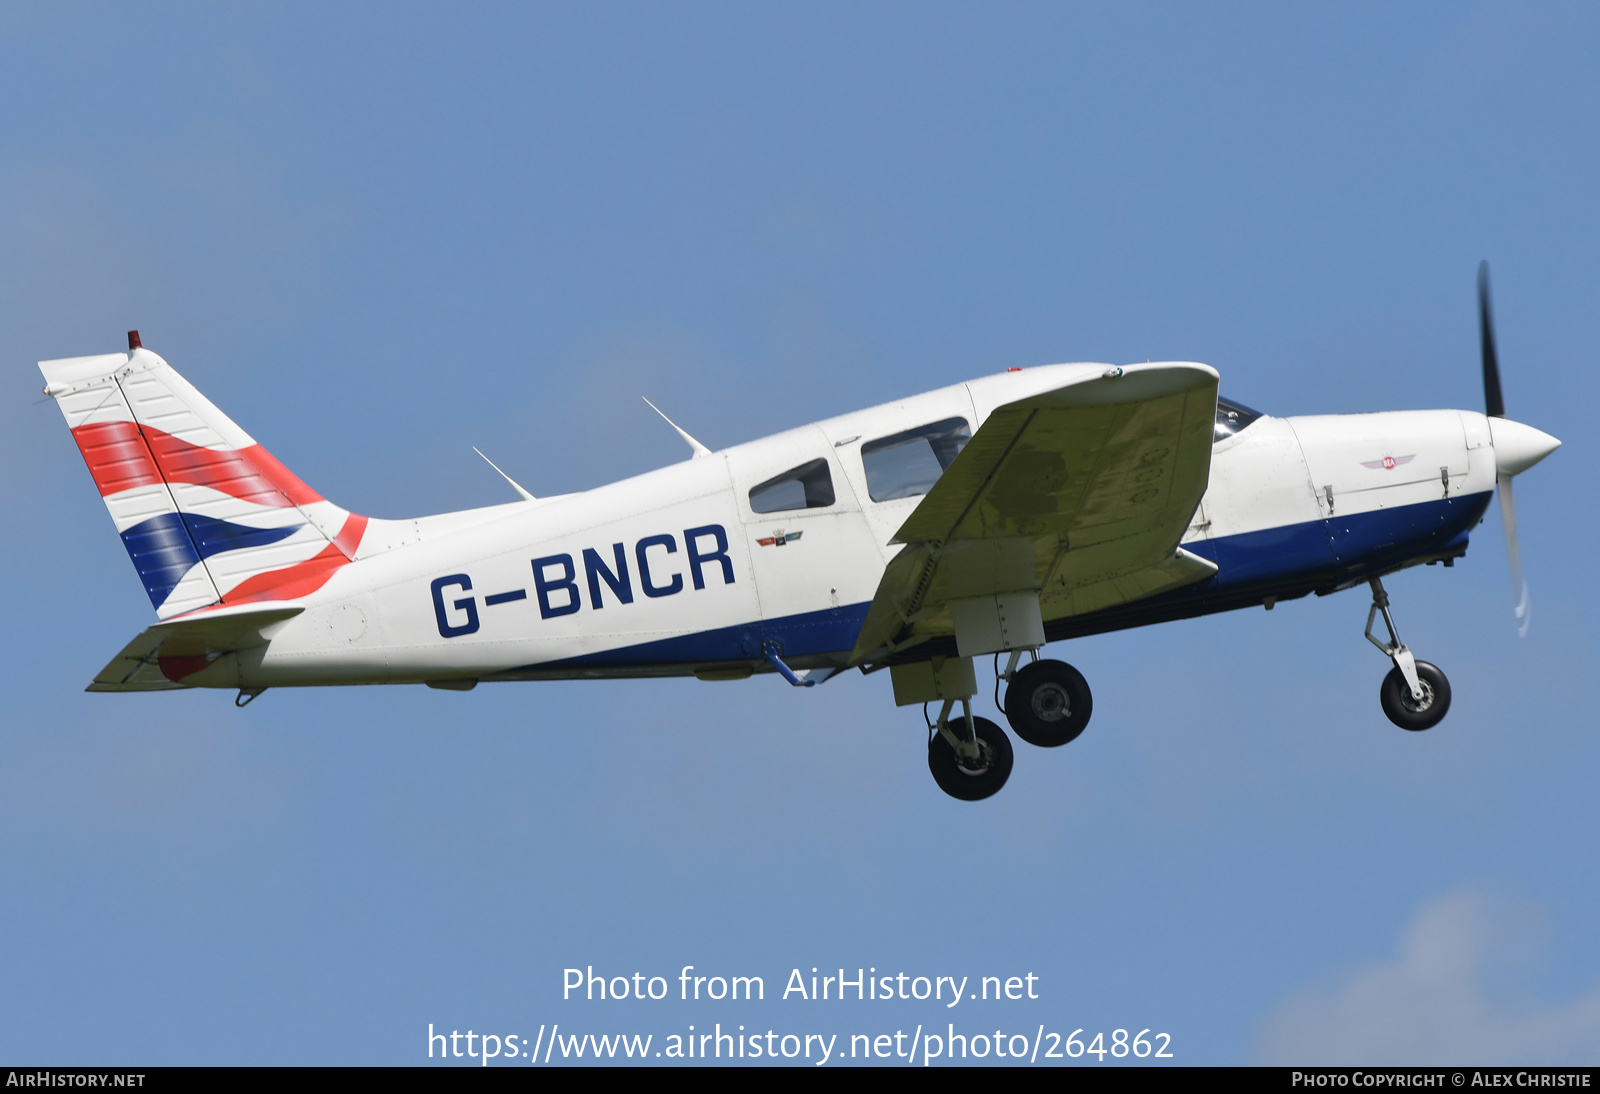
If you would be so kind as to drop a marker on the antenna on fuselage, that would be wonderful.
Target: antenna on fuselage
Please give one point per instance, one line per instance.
(699, 449)
(514, 484)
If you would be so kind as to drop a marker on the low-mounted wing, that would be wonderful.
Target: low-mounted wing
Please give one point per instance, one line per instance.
(1079, 494)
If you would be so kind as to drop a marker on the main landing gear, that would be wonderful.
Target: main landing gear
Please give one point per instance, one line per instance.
(1047, 703)
(1415, 695)
(970, 758)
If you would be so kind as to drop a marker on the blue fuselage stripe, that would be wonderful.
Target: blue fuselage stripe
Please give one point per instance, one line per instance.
(1317, 556)
(1339, 548)
(1290, 560)
(828, 631)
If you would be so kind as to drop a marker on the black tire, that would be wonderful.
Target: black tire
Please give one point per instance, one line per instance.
(967, 783)
(1048, 703)
(1406, 712)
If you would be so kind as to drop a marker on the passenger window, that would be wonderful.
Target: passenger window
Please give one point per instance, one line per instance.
(809, 486)
(909, 463)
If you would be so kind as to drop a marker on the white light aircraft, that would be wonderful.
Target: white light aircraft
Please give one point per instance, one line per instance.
(986, 518)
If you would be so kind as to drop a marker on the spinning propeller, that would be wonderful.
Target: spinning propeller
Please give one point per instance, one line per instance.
(1517, 447)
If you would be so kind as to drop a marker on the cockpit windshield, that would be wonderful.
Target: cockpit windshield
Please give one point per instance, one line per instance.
(1231, 418)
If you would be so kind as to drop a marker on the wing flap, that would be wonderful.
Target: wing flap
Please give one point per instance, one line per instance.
(1094, 592)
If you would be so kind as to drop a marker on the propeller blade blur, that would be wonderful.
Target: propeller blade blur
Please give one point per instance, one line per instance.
(1493, 400)
(1519, 587)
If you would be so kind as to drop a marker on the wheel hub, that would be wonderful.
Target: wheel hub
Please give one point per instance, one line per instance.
(978, 765)
(1051, 703)
(1417, 706)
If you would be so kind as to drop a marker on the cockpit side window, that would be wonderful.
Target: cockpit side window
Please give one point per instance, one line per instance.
(907, 464)
(1231, 418)
(809, 486)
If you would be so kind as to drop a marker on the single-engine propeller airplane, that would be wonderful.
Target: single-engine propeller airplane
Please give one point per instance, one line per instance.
(987, 518)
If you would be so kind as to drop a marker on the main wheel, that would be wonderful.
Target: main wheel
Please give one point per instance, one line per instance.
(1048, 703)
(975, 781)
(1410, 713)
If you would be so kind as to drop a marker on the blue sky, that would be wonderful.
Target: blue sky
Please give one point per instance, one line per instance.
(378, 236)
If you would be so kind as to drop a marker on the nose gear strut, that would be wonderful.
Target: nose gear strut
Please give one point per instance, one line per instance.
(1396, 650)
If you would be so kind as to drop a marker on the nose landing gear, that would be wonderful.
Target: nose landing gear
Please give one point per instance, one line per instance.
(1415, 695)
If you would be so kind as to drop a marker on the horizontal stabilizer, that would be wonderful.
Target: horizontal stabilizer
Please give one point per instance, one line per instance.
(167, 654)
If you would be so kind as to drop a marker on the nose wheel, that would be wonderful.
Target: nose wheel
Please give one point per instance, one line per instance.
(1415, 695)
(1406, 710)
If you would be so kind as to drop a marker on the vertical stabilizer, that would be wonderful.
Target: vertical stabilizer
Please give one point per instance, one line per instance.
(208, 516)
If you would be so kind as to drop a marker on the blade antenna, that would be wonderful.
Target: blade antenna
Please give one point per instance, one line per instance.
(514, 484)
(699, 449)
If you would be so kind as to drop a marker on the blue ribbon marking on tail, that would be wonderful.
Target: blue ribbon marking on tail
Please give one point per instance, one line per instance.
(166, 547)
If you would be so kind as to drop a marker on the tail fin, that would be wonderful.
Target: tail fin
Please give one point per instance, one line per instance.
(206, 513)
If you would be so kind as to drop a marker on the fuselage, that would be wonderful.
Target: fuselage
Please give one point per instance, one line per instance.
(692, 568)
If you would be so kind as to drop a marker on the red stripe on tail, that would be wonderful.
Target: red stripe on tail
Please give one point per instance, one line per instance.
(119, 458)
(303, 578)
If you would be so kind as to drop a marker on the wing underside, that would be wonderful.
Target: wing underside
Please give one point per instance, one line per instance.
(1079, 495)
